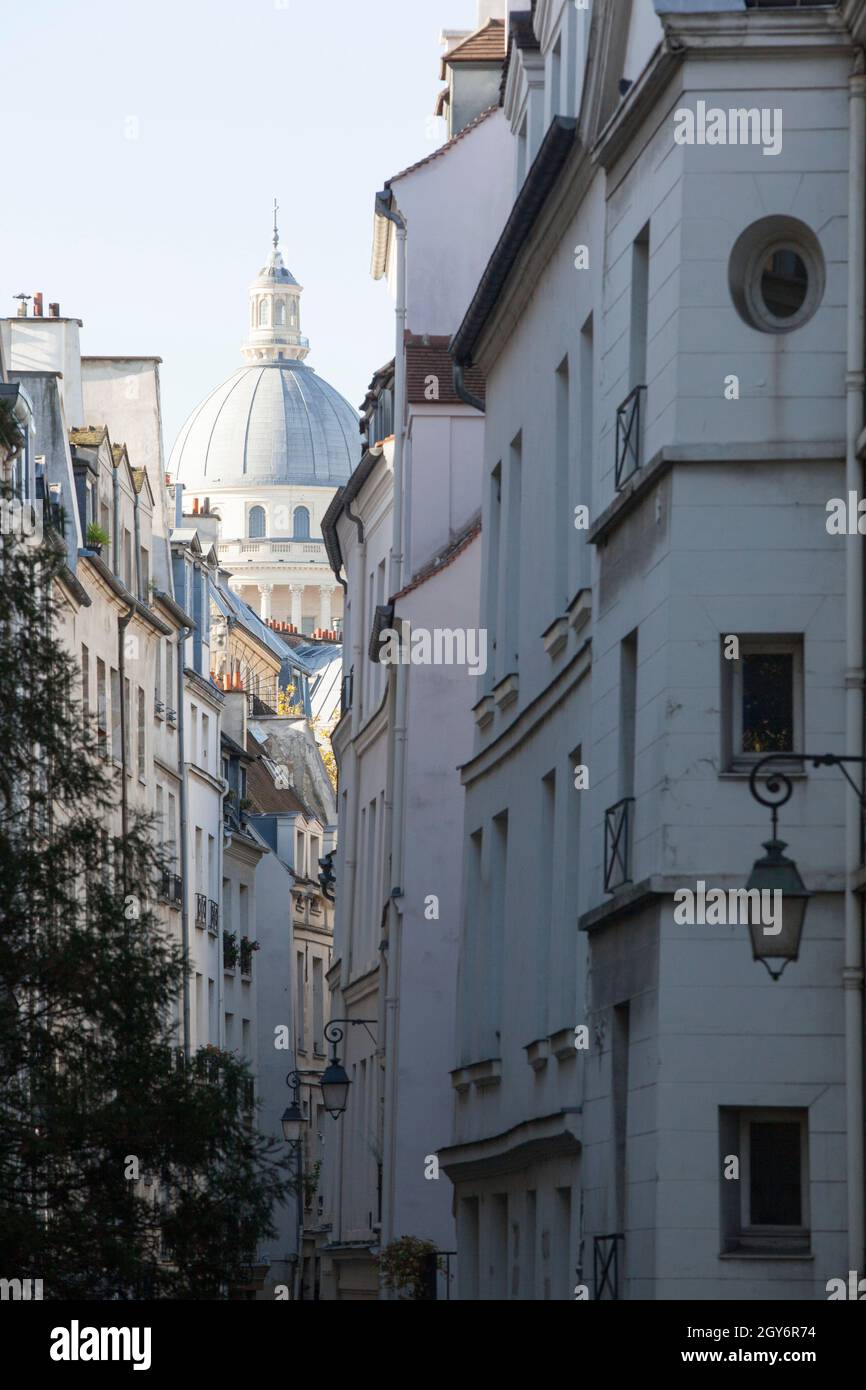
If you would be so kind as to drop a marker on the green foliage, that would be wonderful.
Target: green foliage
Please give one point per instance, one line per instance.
(96, 535)
(90, 1075)
(404, 1264)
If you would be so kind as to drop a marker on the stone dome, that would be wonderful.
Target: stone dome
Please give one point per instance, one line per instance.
(273, 422)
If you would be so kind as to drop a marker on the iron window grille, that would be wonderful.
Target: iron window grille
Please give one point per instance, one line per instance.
(628, 437)
(617, 844)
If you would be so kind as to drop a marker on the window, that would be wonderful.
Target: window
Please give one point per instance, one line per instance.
(169, 674)
(127, 720)
(170, 834)
(142, 762)
(116, 749)
(85, 685)
(561, 513)
(280, 319)
(145, 574)
(300, 1001)
(777, 274)
(257, 527)
(127, 559)
(318, 1007)
(301, 524)
(767, 1209)
(264, 313)
(205, 738)
(514, 506)
(300, 857)
(763, 695)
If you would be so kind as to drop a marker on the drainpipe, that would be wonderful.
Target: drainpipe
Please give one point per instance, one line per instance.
(463, 390)
(115, 523)
(183, 634)
(390, 952)
(854, 383)
(122, 624)
(221, 849)
(384, 209)
(136, 527)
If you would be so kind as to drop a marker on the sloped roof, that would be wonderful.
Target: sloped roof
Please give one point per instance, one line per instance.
(263, 792)
(429, 356)
(485, 45)
(88, 437)
(443, 149)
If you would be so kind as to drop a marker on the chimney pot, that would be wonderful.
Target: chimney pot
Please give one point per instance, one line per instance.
(37, 305)
(54, 311)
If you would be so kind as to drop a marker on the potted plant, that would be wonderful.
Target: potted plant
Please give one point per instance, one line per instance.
(230, 950)
(96, 537)
(409, 1263)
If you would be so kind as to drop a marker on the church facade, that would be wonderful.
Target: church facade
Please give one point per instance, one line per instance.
(265, 451)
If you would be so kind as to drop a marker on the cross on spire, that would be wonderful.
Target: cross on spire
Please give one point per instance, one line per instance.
(276, 233)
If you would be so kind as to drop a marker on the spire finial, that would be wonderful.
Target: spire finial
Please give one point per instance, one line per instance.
(276, 233)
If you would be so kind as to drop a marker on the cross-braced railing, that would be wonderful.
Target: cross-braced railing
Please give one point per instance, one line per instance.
(628, 437)
(605, 1265)
(617, 844)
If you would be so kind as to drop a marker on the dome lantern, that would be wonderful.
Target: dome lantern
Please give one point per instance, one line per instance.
(275, 312)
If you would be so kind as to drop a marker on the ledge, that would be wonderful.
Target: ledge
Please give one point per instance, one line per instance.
(562, 1045)
(537, 1053)
(484, 711)
(480, 1074)
(507, 691)
(580, 609)
(555, 637)
(666, 458)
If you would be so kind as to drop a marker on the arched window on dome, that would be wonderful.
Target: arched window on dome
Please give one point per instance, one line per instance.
(293, 313)
(264, 315)
(301, 524)
(257, 527)
(253, 312)
(280, 319)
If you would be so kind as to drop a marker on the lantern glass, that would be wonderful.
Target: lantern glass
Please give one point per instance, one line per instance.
(777, 928)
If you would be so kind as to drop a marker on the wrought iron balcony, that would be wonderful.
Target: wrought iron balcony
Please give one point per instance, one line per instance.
(629, 437)
(201, 909)
(247, 948)
(605, 1265)
(617, 844)
(213, 921)
(171, 888)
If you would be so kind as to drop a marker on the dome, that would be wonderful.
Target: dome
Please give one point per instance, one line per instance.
(273, 422)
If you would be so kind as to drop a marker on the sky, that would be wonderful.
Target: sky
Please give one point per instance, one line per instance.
(146, 143)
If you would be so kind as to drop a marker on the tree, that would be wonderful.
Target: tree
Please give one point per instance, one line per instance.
(125, 1170)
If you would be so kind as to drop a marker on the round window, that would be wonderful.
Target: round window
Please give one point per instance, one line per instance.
(776, 274)
(784, 282)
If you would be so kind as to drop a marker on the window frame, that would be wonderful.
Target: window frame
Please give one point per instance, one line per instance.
(751, 1232)
(779, 644)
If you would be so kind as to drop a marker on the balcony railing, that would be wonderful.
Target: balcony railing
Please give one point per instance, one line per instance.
(629, 437)
(230, 950)
(263, 705)
(605, 1265)
(213, 921)
(171, 888)
(201, 909)
(617, 844)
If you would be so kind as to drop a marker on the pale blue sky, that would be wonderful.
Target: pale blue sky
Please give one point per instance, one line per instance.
(153, 241)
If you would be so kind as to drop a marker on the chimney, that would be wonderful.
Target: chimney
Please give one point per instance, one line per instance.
(37, 305)
(54, 311)
(234, 720)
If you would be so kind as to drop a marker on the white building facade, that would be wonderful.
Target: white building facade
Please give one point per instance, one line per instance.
(641, 1111)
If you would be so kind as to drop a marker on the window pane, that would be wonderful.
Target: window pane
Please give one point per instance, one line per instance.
(775, 1174)
(768, 702)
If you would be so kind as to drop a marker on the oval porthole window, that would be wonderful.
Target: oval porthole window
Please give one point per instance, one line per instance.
(776, 274)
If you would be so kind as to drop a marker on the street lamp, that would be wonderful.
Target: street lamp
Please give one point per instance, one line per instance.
(293, 1119)
(774, 872)
(335, 1081)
